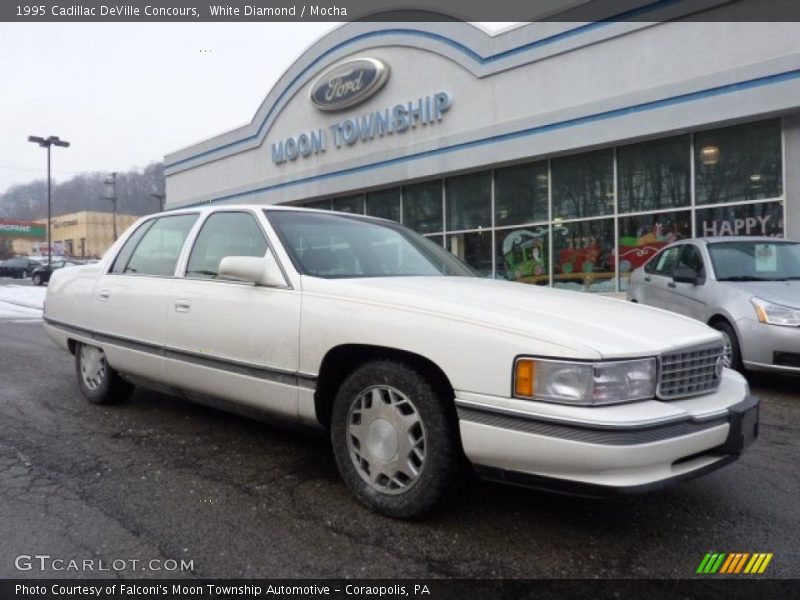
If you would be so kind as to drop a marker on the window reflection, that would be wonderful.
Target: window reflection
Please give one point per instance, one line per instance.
(350, 204)
(473, 248)
(520, 194)
(583, 255)
(422, 206)
(469, 201)
(523, 254)
(653, 175)
(738, 163)
(384, 204)
(642, 236)
(583, 185)
(750, 219)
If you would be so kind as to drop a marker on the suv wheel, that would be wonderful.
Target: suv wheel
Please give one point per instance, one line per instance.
(99, 383)
(395, 440)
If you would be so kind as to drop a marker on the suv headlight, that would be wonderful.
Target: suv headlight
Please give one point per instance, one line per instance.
(776, 314)
(585, 383)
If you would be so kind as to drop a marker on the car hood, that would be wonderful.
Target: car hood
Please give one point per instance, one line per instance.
(578, 321)
(779, 292)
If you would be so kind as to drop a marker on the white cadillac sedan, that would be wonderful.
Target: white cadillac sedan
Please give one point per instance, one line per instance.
(415, 366)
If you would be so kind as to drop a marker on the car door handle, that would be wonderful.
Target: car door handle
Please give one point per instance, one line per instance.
(104, 294)
(182, 305)
(671, 284)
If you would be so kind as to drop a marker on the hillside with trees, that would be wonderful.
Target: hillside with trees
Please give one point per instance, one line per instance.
(87, 191)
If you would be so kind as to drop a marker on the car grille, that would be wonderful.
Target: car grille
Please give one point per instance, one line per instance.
(689, 372)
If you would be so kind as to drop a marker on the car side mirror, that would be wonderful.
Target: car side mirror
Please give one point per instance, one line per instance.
(685, 275)
(255, 269)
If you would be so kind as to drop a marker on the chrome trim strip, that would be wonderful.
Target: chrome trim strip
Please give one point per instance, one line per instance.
(261, 372)
(611, 426)
(588, 434)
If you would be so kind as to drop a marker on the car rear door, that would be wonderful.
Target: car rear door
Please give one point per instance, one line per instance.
(129, 302)
(232, 339)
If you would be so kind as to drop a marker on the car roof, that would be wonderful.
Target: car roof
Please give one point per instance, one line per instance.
(267, 207)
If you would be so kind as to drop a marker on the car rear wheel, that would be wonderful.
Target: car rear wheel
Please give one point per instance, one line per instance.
(732, 355)
(395, 440)
(99, 383)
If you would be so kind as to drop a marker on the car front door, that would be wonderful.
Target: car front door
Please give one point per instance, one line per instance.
(129, 302)
(232, 339)
(657, 276)
(688, 298)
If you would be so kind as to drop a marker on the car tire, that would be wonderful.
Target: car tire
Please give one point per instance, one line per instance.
(733, 356)
(99, 383)
(37, 279)
(408, 460)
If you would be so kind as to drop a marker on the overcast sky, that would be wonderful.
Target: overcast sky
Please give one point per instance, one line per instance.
(125, 94)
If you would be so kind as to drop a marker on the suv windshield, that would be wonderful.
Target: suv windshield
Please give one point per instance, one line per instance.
(755, 261)
(339, 246)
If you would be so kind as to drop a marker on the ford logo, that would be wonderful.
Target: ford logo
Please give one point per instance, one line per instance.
(349, 83)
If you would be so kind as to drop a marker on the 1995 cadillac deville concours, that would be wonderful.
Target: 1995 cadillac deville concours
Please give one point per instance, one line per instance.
(415, 366)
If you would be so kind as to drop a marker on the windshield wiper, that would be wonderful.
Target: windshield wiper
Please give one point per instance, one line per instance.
(212, 274)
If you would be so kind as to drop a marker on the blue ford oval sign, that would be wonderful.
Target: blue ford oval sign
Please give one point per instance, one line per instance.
(349, 83)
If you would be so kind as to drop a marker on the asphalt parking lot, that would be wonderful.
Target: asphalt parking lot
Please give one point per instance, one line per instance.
(161, 478)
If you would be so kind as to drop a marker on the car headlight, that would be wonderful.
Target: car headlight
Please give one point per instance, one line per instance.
(585, 383)
(776, 314)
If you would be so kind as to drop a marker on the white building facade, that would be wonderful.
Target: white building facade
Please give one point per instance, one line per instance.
(559, 154)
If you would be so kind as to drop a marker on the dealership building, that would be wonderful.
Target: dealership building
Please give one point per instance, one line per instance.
(560, 154)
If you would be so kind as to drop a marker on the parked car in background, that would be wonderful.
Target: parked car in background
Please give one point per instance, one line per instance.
(748, 288)
(412, 363)
(41, 274)
(18, 268)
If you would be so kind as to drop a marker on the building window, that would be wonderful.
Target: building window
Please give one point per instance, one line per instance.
(738, 163)
(469, 201)
(523, 254)
(437, 239)
(762, 218)
(583, 185)
(642, 236)
(583, 255)
(384, 204)
(422, 207)
(320, 204)
(350, 204)
(474, 248)
(654, 175)
(521, 194)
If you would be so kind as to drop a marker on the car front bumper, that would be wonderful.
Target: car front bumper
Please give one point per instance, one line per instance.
(597, 457)
(769, 347)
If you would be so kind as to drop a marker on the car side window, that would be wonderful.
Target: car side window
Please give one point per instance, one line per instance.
(692, 259)
(124, 255)
(664, 262)
(158, 249)
(224, 234)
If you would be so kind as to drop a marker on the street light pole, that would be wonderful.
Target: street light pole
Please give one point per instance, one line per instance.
(53, 140)
(112, 181)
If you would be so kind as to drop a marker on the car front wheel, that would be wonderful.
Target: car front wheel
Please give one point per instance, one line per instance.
(99, 383)
(395, 440)
(732, 354)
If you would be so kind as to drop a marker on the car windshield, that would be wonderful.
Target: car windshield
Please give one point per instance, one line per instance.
(755, 261)
(338, 246)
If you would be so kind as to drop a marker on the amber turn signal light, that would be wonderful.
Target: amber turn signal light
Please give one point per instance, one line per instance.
(524, 376)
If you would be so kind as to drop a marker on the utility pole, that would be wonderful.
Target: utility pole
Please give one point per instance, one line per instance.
(112, 182)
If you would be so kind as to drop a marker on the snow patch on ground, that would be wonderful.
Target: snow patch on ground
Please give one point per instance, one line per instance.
(21, 302)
